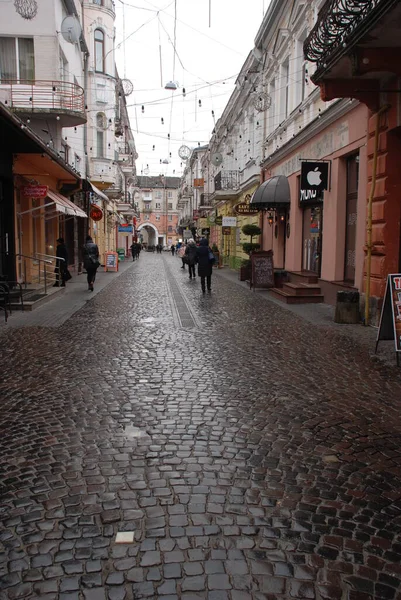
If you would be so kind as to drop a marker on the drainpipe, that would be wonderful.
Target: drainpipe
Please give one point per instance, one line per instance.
(369, 244)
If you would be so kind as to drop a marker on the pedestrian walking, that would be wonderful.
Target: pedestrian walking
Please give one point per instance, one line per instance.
(181, 254)
(205, 264)
(133, 251)
(172, 248)
(61, 268)
(192, 257)
(91, 261)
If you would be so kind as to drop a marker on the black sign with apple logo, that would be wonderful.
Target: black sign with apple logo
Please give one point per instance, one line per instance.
(314, 176)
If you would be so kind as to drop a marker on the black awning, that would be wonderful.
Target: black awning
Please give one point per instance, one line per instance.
(272, 194)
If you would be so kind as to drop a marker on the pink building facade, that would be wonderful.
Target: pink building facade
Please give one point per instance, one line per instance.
(324, 237)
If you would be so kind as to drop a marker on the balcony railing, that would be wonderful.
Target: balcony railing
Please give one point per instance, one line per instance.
(226, 180)
(205, 201)
(109, 4)
(336, 27)
(147, 209)
(54, 97)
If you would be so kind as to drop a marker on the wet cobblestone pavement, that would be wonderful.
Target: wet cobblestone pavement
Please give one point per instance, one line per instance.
(250, 454)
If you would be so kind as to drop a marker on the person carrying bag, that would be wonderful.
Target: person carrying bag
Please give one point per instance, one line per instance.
(91, 261)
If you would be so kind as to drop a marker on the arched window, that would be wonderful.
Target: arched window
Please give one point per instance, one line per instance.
(99, 50)
(101, 125)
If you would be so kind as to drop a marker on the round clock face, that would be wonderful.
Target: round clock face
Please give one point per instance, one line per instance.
(184, 152)
(127, 86)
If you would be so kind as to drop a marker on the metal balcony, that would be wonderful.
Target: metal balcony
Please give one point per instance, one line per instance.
(226, 180)
(107, 4)
(46, 98)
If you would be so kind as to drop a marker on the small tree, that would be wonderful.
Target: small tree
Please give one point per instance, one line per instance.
(252, 231)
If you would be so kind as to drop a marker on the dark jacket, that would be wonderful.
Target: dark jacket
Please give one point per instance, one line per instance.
(205, 267)
(191, 254)
(61, 252)
(90, 255)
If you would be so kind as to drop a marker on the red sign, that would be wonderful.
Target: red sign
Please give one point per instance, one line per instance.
(196, 215)
(199, 183)
(96, 213)
(35, 191)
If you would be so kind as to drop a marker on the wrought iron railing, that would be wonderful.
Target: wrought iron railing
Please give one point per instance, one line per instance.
(52, 95)
(205, 200)
(226, 180)
(336, 26)
(110, 4)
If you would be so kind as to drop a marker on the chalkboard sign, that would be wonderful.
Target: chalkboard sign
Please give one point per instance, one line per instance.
(111, 262)
(262, 270)
(390, 318)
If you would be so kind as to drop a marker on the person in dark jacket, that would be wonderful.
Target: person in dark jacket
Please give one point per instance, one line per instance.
(205, 265)
(62, 264)
(133, 250)
(91, 261)
(192, 257)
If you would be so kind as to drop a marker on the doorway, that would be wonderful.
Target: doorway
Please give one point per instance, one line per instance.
(312, 239)
(351, 217)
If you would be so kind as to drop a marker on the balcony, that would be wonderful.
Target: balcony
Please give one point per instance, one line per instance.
(147, 209)
(106, 4)
(46, 98)
(205, 201)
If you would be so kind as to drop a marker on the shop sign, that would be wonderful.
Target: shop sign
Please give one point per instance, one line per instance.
(218, 220)
(199, 183)
(229, 222)
(125, 228)
(390, 319)
(310, 196)
(35, 191)
(211, 220)
(314, 176)
(111, 261)
(226, 230)
(245, 209)
(187, 234)
(205, 231)
(96, 213)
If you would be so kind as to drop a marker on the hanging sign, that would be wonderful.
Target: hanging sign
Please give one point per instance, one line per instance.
(390, 318)
(125, 228)
(199, 183)
(245, 209)
(262, 270)
(96, 213)
(35, 191)
(229, 222)
(218, 220)
(314, 176)
(226, 230)
(195, 215)
(205, 231)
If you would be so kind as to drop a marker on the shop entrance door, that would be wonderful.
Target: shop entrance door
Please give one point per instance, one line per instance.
(312, 239)
(351, 216)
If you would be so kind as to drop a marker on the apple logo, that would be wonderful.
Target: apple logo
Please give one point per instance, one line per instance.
(313, 177)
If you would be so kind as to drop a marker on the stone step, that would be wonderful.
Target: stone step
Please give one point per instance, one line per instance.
(302, 289)
(280, 294)
(36, 298)
(303, 277)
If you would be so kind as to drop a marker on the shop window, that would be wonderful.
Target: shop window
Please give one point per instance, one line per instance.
(99, 50)
(17, 59)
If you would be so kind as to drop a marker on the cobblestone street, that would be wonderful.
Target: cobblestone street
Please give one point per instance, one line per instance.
(249, 453)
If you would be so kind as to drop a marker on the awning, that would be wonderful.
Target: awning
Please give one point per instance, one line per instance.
(64, 205)
(98, 192)
(272, 194)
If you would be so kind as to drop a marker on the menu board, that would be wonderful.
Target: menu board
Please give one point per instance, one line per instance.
(111, 262)
(262, 270)
(390, 319)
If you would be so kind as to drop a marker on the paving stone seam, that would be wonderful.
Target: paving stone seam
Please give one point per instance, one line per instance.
(177, 290)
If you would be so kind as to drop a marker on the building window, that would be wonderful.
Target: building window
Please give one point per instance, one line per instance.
(170, 206)
(158, 205)
(17, 60)
(169, 194)
(98, 2)
(100, 124)
(170, 228)
(272, 110)
(77, 161)
(65, 151)
(285, 73)
(158, 195)
(170, 217)
(99, 50)
(147, 206)
(146, 218)
(157, 217)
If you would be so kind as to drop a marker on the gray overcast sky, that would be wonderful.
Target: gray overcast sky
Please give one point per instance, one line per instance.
(207, 62)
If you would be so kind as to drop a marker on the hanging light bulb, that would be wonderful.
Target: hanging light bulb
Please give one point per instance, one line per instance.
(200, 102)
(212, 113)
(162, 121)
(168, 135)
(270, 219)
(143, 108)
(153, 147)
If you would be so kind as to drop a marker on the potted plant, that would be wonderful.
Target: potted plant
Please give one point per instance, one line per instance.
(248, 247)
